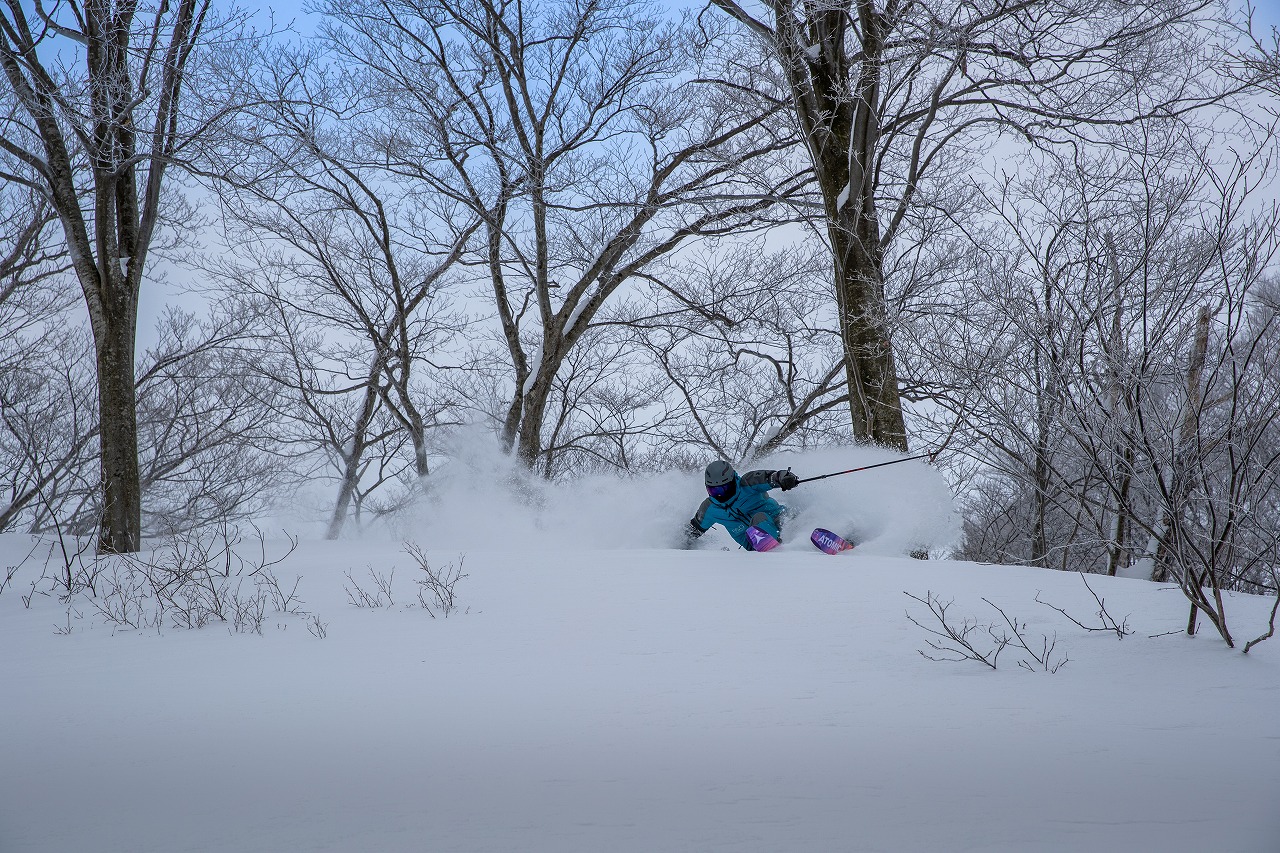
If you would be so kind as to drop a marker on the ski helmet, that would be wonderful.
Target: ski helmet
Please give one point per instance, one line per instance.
(721, 480)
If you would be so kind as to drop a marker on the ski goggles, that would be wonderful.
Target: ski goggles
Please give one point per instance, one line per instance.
(723, 493)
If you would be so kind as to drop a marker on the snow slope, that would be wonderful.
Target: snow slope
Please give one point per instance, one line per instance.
(630, 699)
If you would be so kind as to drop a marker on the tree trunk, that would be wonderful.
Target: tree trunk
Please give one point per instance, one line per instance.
(845, 158)
(534, 411)
(418, 432)
(97, 149)
(121, 524)
(874, 402)
(1119, 526)
(354, 459)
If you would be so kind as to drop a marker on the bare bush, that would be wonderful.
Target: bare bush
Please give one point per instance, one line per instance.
(10, 572)
(1106, 622)
(196, 581)
(362, 598)
(436, 585)
(74, 574)
(972, 640)
(1044, 659)
(192, 581)
(958, 643)
(126, 600)
(436, 591)
(35, 589)
(316, 628)
(65, 627)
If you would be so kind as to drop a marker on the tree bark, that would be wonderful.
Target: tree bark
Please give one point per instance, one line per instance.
(121, 524)
(875, 406)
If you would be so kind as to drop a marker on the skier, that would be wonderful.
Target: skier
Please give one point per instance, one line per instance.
(742, 503)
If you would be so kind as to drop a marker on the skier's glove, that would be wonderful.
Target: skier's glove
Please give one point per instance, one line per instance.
(785, 480)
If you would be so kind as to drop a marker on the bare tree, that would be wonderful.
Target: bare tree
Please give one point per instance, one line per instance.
(1217, 474)
(1078, 305)
(583, 138)
(1126, 302)
(48, 425)
(96, 142)
(331, 406)
(40, 380)
(886, 93)
(746, 347)
(350, 265)
(208, 441)
(205, 453)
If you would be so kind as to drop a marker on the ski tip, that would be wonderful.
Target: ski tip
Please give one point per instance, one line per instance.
(828, 542)
(761, 540)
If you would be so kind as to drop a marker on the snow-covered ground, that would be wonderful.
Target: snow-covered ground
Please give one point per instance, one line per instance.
(641, 699)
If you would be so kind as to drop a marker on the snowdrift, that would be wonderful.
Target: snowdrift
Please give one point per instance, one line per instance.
(637, 700)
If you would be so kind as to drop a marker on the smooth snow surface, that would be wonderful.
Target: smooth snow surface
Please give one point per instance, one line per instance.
(626, 699)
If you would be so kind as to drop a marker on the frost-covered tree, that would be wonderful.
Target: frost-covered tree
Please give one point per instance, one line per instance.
(351, 264)
(98, 118)
(591, 145)
(887, 93)
(1109, 362)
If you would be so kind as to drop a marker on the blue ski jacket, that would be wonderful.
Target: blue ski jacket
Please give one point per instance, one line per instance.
(750, 504)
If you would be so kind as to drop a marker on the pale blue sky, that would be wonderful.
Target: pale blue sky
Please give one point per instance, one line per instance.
(1266, 12)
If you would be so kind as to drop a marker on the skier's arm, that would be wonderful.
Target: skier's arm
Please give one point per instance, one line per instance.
(784, 480)
(695, 527)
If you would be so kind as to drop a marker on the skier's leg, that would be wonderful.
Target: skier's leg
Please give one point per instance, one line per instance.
(768, 524)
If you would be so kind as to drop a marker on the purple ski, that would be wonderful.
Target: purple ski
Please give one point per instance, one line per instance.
(827, 541)
(761, 540)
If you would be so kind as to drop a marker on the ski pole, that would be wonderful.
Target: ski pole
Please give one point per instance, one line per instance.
(928, 456)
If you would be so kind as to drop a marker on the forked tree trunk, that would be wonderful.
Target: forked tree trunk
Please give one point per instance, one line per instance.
(354, 458)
